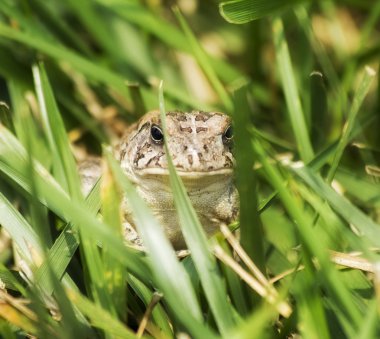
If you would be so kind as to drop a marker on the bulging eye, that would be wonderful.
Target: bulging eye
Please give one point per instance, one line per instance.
(156, 134)
(228, 134)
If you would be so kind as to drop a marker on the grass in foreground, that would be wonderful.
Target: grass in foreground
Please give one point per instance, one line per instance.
(65, 271)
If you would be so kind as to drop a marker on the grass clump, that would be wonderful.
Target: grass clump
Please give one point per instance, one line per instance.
(300, 83)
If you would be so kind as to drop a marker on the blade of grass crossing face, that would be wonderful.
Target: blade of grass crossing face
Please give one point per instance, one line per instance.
(289, 85)
(196, 241)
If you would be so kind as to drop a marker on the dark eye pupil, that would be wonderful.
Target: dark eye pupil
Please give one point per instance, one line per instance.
(156, 134)
(228, 133)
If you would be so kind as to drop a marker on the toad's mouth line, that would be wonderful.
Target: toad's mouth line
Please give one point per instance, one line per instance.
(158, 171)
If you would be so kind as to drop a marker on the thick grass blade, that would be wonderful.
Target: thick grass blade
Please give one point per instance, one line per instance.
(289, 85)
(63, 162)
(114, 273)
(251, 232)
(196, 241)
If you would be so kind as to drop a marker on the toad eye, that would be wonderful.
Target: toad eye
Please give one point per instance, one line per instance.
(228, 134)
(156, 134)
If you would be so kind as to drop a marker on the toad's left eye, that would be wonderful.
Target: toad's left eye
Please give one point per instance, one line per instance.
(156, 134)
(228, 134)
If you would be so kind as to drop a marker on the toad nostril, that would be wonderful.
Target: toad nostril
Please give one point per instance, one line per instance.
(190, 159)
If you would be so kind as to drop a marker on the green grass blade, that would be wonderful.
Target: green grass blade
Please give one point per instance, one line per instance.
(22, 234)
(63, 162)
(251, 236)
(348, 128)
(100, 318)
(289, 86)
(318, 110)
(342, 206)
(243, 11)
(159, 316)
(196, 241)
(169, 274)
(114, 273)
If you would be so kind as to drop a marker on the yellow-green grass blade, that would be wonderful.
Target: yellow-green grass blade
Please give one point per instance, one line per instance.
(22, 234)
(289, 85)
(114, 273)
(169, 275)
(196, 241)
(63, 162)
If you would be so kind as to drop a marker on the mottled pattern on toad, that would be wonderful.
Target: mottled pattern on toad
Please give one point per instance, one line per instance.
(200, 144)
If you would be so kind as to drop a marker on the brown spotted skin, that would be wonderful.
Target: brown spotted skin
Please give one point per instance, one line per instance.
(195, 143)
(203, 158)
(202, 155)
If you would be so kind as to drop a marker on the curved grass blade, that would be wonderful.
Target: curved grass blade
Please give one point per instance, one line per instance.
(63, 161)
(289, 85)
(196, 241)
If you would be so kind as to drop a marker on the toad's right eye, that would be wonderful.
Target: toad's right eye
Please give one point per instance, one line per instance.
(156, 134)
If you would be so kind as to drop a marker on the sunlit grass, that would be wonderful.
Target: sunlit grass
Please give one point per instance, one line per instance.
(75, 74)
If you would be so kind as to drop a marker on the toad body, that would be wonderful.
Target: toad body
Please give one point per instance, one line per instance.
(200, 144)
